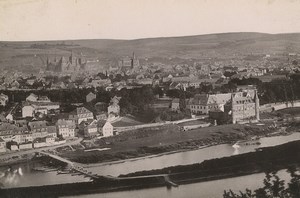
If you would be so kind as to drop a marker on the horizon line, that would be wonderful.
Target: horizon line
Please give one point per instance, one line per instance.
(141, 38)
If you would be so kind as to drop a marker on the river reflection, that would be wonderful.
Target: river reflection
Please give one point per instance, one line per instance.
(31, 178)
(26, 175)
(210, 189)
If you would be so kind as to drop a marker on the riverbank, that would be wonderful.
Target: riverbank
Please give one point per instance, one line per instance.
(195, 140)
(140, 158)
(84, 188)
(166, 140)
(266, 159)
(14, 157)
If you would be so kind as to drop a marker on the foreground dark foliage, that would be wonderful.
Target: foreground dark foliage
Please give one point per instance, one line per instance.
(273, 187)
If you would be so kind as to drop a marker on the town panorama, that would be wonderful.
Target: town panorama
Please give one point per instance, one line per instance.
(191, 116)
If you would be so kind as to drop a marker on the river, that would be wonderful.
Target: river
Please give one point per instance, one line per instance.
(23, 175)
(188, 157)
(210, 189)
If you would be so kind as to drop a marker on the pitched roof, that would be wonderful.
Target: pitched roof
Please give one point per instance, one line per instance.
(91, 94)
(219, 98)
(37, 124)
(69, 123)
(80, 110)
(199, 99)
(51, 129)
(175, 100)
(33, 95)
(7, 128)
(107, 124)
(244, 96)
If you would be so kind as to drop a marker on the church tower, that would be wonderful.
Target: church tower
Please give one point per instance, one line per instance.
(134, 61)
(63, 64)
(72, 59)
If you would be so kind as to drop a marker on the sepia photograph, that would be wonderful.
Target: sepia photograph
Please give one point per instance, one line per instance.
(149, 98)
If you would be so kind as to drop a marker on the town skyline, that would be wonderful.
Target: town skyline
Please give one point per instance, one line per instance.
(134, 98)
(23, 20)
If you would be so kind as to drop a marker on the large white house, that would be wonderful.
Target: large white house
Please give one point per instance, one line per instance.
(114, 108)
(203, 103)
(66, 128)
(27, 110)
(35, 104)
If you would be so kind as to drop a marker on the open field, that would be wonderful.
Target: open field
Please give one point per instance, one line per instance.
(156, 140)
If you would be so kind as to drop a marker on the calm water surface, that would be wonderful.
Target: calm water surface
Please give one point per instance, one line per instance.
(189, 157)
(23, 175)
(211, 189)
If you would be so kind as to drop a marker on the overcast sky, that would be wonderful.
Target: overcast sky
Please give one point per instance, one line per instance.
(131, 19)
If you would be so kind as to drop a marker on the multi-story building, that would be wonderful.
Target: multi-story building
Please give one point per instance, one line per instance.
(66, 65)
(244, 105)
(81, 114)
(237, 106)
(30, 108)
(107, 130)
(66, 128)
(114, 106)
(129, 62)
(14, 132)
(35, 104)
(38, 129)
(90, 128)
(27, 110)
(203, 103)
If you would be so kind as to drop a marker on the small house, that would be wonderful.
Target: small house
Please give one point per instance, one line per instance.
(107, 129)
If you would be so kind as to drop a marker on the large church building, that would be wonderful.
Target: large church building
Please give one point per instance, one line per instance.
(129, 62)
(70, 64)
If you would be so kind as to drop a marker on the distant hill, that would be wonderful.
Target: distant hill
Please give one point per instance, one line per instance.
(32, 55)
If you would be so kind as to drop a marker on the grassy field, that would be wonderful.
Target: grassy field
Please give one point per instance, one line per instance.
(167, 138)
